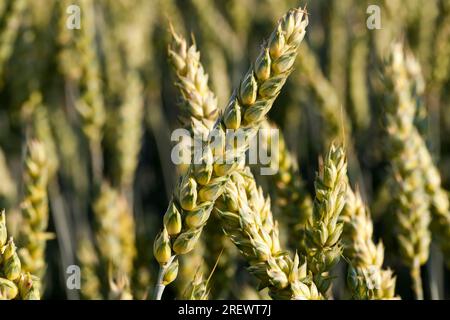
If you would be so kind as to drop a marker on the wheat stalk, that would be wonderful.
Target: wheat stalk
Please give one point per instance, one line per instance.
(199, 111)
(366, 277)
(196, 192)
(198, 105)
(247, 220)
(323, 231)
(33, 233)
(14, 282)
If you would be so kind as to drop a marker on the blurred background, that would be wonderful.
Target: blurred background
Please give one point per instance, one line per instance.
(102, 100)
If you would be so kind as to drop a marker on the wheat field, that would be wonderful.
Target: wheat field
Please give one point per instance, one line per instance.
(323, 129)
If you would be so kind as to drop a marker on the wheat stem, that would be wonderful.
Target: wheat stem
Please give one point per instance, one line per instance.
(417, 279)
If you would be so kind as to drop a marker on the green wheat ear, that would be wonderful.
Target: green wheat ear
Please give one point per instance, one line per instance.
(366, 277)
(324, 230)
(247, 220)
(408, 184)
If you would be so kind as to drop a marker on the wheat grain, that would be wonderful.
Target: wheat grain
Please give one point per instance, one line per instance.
(199, 112)
(323, 231)
(196, 192)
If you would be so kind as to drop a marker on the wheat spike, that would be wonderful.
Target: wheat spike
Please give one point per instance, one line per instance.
(196, 192)
(408, 185)
(324, 230)
(248, 221)
(366, 277)
(33, 233)
(114, 230)
(15, 283)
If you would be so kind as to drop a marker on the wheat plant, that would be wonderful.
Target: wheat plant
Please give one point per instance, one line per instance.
(199, 188)
(324, 230)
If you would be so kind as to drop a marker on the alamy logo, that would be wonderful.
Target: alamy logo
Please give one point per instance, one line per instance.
(73, 281)
(374, 19)
(74, 19)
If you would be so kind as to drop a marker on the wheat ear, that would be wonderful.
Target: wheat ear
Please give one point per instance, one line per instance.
(114, 232)
(248, 221)
(291, 198)
(408, 185)
(366, 277)
(199, 113)
(196, 192)
(324, 230)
